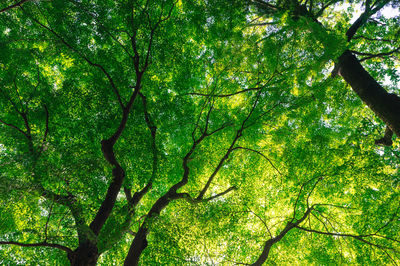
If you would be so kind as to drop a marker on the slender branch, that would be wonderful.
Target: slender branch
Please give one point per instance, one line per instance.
(262, 155)
(372, 39)
(195, 200)
(270, 242)
(153, 30)
(224, 95)
(390, 220)
(41, 244)
(46, 132)
(13, 6)
(69, 202)
(218, 167)
(362, 19)
(264, 222)
(311, 191)
(369, 55)
(10, 100)
(321, 11)
(298, 196)
(47, 222)
(84, 57)
(19, 97)
(13, 126)
(333, 205)
(135, 199)
(358, 237)
(140, 241)
(238, 135)
(221, 194)
(262, 24)
(106, 30)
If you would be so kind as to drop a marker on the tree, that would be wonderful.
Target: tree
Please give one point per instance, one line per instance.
(185, 132)
(385, 105)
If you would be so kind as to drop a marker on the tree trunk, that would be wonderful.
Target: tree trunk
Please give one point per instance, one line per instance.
(86, 254)
(385, 105)
(264, 255)
(138, 245)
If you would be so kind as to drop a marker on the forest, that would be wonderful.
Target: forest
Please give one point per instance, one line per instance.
(199, 132)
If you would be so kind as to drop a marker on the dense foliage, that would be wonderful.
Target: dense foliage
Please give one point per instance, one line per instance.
(191, 132)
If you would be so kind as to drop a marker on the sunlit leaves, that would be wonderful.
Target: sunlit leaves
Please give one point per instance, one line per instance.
(306, 140)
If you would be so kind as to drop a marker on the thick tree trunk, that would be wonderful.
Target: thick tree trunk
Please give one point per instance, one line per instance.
(86, 254)
(140, 241)
(385, 105)
(264, 255)
(138, 245)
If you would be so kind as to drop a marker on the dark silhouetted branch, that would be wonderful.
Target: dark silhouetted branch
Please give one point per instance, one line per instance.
(41, 244)
(262, 155)
(13, 6)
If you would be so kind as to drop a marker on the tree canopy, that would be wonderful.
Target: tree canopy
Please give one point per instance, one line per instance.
(159, 132)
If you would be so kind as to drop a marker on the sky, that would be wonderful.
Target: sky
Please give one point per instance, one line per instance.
(388, 11)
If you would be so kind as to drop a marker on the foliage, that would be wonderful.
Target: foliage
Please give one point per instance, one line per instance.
(217, 126)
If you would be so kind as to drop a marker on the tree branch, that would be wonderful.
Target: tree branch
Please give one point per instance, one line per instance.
(372, 39)
(358, 237)
(134, 200)
(221, 194)
(298, 196)
(262, 155)
(46, 132)
(84, 57)
(194, 200)
(269, 243)
(229, 150)
(13, 6)
(13, 126)
(106, 30)
(369, 55)
(362, 19)
(41, 244)
(224, 95)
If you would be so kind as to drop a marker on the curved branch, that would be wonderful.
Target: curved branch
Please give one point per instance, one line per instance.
(15, 127)
(362, 19)
(134, 200)
(358, 237)
(84, 57)
(224, 95)
(369, 55)
(239, 134)
(41, 244)
(13, 6)
(46, 132)
(372, 39)
(221, 194)
(298, 196)
(262, 155)
(270, 242)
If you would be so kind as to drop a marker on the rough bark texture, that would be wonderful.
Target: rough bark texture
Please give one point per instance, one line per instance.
(385, 105)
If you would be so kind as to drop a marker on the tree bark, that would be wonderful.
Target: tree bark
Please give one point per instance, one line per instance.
(270, 242)
(85, 255)
(138, 245)
(264, 255)
(140, 241)
(385, 105)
